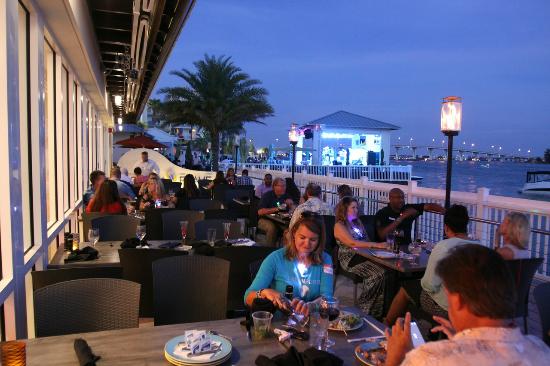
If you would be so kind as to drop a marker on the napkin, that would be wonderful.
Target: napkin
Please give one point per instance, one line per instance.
(132, 243)
(310, 357)
(244, 242)
(84, 353)
(182, 351)
(169, 245)
(85, 254)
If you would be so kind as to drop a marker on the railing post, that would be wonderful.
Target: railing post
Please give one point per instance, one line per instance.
(364, 192)
(481, 212)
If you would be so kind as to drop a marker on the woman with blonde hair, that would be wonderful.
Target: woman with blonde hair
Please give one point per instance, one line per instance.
(151, 191)
(302, 263)
(513, 232)
(350, 233)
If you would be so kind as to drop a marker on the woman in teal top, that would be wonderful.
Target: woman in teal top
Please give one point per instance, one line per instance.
(302, 264)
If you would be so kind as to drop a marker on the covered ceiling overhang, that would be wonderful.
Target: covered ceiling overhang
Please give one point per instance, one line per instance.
(134, 39)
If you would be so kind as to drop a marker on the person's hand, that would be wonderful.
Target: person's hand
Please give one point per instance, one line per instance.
(444, 326)
(400, 341)
(380, 245)
(276, 298)
(409, 212)
(300, 306)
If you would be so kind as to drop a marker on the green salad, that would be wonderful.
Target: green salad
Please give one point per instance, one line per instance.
(348, 321)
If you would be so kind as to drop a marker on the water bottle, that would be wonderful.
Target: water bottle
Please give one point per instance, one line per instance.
(396, 242)
(289, 292)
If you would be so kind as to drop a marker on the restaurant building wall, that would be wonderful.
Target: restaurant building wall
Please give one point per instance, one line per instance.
(54, 119)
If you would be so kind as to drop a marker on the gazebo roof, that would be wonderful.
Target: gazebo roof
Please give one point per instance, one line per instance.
(347, 120)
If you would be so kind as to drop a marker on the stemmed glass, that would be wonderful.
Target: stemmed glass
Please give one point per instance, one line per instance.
(328, 311)
(183, 227)
(226, 229)
(141, 231)
(93, 236)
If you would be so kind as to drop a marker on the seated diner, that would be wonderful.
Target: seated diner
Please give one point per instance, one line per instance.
(428, 293)
(482, 299)
(350, 233)
(107, 200)
(512, 236)
(302, 264)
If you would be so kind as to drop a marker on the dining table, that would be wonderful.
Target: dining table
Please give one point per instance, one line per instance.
(108, 253)
(399, 267)
(145, 345)
(280, 219)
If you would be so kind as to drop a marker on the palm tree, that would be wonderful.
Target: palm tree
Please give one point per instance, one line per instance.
(219, 98)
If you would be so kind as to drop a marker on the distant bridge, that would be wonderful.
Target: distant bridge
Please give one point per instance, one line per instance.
(458, 153)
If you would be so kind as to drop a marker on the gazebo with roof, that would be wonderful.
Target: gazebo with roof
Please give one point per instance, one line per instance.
(346, 138)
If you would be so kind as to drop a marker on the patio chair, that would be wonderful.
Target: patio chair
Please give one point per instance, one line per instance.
(203, 204)
(137, 267)
(201, 229)
(115, 227)
(239, 274)
(220, 214)
(541, 293)
(190, 289)
(86, 305)
(87, 218)
(523, 271)
(51, 276)
(171, 223)
(154, 222)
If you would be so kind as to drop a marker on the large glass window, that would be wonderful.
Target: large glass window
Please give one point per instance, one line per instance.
(66, 136)
(25, 129)
(50, 127)
(76, 145)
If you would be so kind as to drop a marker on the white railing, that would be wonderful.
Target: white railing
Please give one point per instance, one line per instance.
(375, 173)
(486, 210)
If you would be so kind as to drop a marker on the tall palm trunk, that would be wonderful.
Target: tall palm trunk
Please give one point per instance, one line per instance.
(215, 139)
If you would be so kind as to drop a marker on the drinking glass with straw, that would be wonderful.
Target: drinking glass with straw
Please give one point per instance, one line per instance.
(183, 227)
(226, 229)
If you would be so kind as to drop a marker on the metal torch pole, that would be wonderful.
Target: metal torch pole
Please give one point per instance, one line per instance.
(293, 158)
(449, 169)
(236, 157)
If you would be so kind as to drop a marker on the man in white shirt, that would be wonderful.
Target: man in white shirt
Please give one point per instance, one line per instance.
(482, 301)
(314, 203)
(147, 166)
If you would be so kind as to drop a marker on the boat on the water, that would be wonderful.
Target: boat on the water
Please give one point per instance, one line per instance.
(537, 183)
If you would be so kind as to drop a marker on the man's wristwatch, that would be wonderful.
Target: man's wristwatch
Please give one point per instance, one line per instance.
(259, 293)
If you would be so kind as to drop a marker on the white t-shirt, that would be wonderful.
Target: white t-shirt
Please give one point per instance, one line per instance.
(484, 346)
(147, 167)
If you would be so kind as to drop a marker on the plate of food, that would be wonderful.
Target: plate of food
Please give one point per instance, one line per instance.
(384, 254)
(371, 353)
(346, 321)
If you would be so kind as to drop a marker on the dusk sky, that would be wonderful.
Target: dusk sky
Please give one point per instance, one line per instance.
(390, 60)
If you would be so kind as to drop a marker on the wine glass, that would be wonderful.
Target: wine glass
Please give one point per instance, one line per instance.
(226, 229)
(183, 227)
(93, 236)
(328, 311)
(141, 231)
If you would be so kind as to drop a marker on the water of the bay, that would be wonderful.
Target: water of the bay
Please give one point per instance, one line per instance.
(502, 178)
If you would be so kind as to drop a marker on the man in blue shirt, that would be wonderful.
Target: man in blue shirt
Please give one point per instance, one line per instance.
(125, 190)
(272, 202)
(244, 179)
(96, 178)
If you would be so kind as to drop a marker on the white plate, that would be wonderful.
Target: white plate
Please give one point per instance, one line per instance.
(383, 254)
(180, 363)
(173, 357)
(334, 325)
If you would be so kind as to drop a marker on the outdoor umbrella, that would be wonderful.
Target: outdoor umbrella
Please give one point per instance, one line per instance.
(140, 141)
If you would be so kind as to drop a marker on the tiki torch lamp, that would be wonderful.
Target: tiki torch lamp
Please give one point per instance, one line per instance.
(451, 123)
(293, 139)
